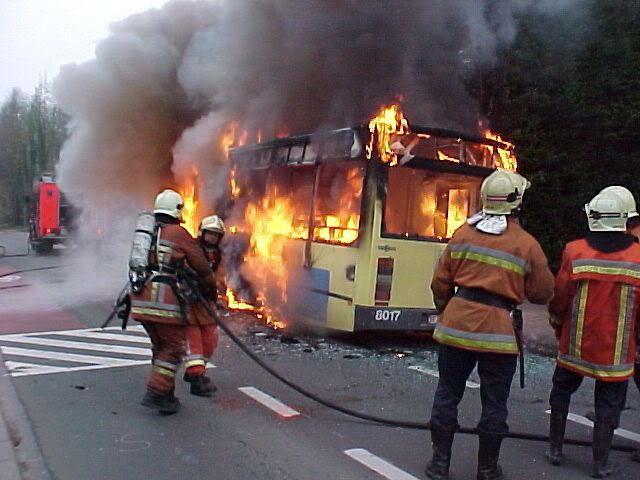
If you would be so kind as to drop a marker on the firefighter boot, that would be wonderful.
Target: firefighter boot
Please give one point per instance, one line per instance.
(202, 386)
(557, 424)
(488, 454)
(166, 404)
(438, 467)
(602, 436)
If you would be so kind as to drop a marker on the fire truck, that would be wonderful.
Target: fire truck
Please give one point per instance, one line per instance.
(50, 215)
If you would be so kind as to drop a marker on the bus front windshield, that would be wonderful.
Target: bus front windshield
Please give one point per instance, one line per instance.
(428, 205)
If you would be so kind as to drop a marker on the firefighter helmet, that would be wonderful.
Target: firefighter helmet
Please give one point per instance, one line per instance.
(606, 212)
(502, 192)
(170, 203)
(212, 223)
(628, 202)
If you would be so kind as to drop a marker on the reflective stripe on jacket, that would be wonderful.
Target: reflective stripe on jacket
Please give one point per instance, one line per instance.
(511, 265)
(158, 301)
(595, 305)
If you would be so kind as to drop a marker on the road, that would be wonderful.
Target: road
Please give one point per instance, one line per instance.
(81, 389)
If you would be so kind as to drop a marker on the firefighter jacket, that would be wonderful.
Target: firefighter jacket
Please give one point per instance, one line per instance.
(159, 300)
(214, 259)
(594, 310)
(511, 265)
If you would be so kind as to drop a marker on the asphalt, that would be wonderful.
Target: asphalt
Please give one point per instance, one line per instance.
(20, 456)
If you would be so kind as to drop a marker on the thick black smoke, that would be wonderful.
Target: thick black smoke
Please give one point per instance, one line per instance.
(166, 83)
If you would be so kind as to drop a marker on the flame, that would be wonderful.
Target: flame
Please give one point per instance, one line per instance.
(234, 304)
(189, 209)
(458, 209)
(233, 184)
(506, 157)
(444, 156)
(390, 121)
(260, 312)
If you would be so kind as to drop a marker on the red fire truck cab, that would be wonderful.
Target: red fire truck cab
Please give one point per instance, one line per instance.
(49, 215)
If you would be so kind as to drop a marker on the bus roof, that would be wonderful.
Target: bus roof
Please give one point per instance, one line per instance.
(309, 149)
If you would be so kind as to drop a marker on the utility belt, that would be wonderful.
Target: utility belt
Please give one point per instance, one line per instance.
(494, 300)
(487, 298)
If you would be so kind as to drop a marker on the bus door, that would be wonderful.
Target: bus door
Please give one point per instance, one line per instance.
(415, 213)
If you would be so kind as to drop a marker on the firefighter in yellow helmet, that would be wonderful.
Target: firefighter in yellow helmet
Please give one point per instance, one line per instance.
(489, 267)
(599, 273)
(202, 338)
(160, 305)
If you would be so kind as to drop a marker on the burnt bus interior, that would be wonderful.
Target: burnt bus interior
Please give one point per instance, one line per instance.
(426, 196)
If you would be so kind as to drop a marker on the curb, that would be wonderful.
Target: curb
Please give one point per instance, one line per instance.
(20, 456)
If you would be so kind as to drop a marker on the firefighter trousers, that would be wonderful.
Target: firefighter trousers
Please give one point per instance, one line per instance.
(168, 346)
(496, 373)
(610, 397)
(202, 340)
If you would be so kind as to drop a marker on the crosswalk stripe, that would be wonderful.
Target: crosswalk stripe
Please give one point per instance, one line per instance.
(68, 357)
(16, 368)
(104, 336)
(42, 371)
(81, 345)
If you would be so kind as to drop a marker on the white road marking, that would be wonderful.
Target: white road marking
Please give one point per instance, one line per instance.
(20, 368)
(120, 337)
(378, 465)
(67, 357)
(9, 278)
(269, 402)
(621, 432)
(99, 347)
(434, 373)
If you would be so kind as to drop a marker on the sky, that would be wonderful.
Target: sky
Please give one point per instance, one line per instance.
(38, 36)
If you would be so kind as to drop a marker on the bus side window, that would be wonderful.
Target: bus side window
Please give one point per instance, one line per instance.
(337, 202)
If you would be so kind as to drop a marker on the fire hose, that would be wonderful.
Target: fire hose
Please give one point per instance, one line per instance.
(51, 267)
(372, 418)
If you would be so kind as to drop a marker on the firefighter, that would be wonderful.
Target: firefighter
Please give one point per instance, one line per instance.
(633, 227)
(162, 306)
(593, 313)
(490, 265)
(202, 338)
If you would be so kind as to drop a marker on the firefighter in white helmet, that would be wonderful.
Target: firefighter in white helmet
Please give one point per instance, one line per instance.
(202, 338)
(599, 273)
(633, 227)
(489, 267)
(161, 306)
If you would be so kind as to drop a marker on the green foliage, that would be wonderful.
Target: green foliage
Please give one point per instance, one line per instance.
(567, 93)
(32, 131)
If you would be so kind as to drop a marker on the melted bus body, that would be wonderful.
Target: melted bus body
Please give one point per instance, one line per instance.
(363, 237)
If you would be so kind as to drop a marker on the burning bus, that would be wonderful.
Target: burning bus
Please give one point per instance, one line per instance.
(343, 229)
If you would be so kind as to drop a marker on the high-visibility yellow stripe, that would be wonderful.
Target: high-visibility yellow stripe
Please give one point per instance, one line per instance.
(506, 347)
(596, 372)
(496, 262)
(156, 312)
(193, 363)
(164, 371)
(155, 291)
(576, 348)
(606, 270)
(622, 321)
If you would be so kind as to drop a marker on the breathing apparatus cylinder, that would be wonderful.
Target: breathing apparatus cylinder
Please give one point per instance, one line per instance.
(140, 248)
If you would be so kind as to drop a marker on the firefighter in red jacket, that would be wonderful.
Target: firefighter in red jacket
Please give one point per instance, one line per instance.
(633, 227)
(593, 312)
(490, 265)
(202, 337)
(162, 306)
